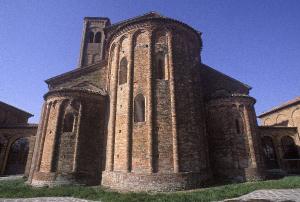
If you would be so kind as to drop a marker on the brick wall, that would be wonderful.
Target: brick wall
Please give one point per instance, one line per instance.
(76, 155)
(172, 138)
(234, 143)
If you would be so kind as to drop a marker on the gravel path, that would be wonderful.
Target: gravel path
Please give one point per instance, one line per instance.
(276, 195)
(11, 177)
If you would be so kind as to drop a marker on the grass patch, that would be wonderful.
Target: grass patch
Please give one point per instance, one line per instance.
(17, 189)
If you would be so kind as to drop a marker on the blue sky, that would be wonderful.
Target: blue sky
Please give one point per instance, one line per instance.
(254, 41)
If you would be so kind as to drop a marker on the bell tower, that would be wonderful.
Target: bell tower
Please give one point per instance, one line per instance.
(92, 41)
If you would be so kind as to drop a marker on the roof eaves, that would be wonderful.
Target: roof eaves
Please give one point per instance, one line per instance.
(213, 69)
(280, 107)
(20, 126)
(136, 17)
(75, 71)
(17, 109)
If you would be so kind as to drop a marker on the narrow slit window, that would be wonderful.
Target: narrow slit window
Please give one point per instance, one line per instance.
(68, 123)
(160, 70)
(123, 71)
(160, 66)
(98, 37)
(237, 126)
(91, 37)
(139, 108)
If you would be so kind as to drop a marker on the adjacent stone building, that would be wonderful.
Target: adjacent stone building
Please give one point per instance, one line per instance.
(280, 136)
(17, 139)
(142, 112)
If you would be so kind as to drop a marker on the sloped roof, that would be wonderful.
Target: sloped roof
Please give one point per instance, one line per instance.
(284, 105)
(20, 126)
(5, 105)
(149, 15)
(211, 69)
(75, 72)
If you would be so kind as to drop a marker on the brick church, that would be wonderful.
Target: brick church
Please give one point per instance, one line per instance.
(141, 112)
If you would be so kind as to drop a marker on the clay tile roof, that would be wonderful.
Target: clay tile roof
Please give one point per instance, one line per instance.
(284, 105)
(16, 109)
(225, 75)
(151, 14)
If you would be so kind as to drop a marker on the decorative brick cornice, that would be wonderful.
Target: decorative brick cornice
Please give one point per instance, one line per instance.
(69, 91)
(231, 99)
(150, 24)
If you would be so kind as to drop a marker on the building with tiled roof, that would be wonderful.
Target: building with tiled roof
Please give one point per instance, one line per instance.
(16, 140)
(280, 135)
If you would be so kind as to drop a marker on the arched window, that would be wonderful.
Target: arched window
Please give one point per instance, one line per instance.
(289, 148)
(123, 71)
(98, 37)
(160, 67)
(90, 37)
(68, 123)
(139, 108)
(269, 152)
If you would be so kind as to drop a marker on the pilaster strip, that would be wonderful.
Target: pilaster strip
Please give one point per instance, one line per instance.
(129, 105)
(173, 103)
(250, 132)
(150, 102)
(76, 153)
(43, 136)
(113, 106)
(37, 143)
(57, 134)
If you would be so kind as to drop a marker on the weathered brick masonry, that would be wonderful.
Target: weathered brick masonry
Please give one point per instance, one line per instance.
(141, 112)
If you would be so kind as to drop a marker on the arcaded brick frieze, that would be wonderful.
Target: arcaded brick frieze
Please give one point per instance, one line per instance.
(288, 116)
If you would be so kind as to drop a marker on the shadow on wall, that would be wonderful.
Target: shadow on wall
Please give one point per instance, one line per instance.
(284, 156)
(282, 123)
(229, 146)
(92, 143)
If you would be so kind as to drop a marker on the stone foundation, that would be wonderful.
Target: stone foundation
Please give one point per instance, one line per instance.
(254, 174)
(153, 182)
(41, 179)
(233, 175)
